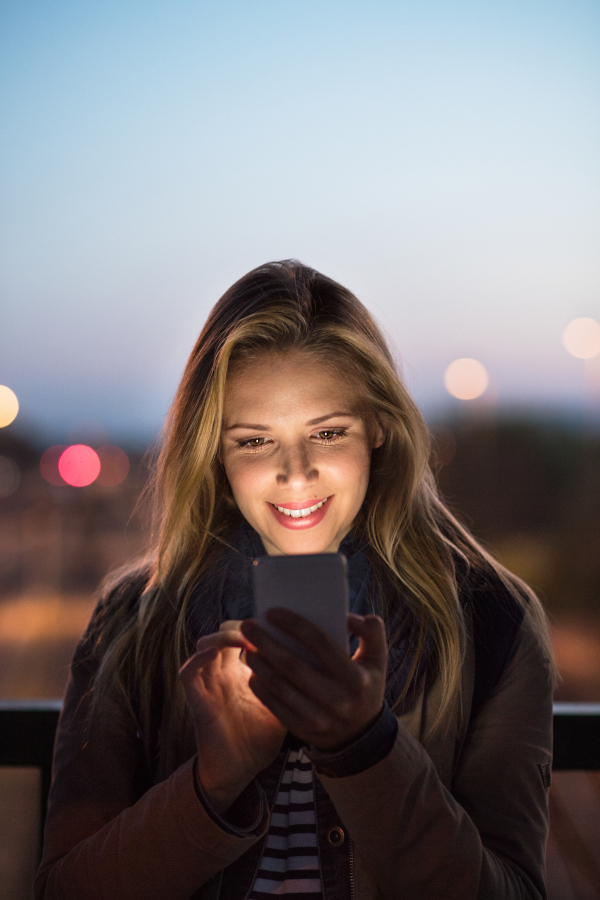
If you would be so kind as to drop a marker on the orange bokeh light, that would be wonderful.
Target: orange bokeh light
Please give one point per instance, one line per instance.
(9, 406)
(79, 465)
(115, 465)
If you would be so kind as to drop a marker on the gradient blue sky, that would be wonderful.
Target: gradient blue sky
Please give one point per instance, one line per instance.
(441, 159)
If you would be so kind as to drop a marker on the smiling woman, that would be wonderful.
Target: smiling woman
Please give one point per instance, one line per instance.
(197, 757)
(299, 479)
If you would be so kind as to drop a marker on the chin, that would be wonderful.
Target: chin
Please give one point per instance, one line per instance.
(297, 545)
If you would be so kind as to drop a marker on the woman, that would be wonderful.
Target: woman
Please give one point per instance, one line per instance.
(197, 757)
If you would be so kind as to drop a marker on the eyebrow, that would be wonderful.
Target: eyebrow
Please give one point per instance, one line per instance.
(255, 427)
(333, 415)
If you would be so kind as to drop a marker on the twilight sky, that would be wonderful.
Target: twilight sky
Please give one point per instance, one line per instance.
(441, 159)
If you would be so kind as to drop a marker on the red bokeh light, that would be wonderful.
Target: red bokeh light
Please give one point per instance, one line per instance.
(115, 465)
(49, 465)
(79, 465)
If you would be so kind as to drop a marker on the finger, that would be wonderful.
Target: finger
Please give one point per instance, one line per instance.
(285, 702)
(286, 716)
(300, 686)
(309, 723)
(196, 662)
(317, 683)
(223, 639)
(228, 647)
(329, 653)
(285, 691)
(230, 625)
(372, 647)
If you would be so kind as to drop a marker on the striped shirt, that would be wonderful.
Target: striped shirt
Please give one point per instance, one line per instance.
(290, 861)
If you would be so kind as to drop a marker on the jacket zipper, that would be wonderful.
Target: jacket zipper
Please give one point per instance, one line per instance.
(352, 883)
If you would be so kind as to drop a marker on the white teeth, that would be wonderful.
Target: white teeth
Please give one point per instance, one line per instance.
(300, 513)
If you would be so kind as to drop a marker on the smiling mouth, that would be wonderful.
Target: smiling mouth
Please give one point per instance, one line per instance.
(300, 513)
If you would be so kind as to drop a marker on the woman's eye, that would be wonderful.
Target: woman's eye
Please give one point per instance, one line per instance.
(252, 442)
(331, 434)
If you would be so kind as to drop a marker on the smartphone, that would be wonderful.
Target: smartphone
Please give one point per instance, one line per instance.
(313, 585)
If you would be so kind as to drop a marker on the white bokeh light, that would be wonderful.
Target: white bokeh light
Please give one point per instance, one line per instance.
(466, 379)
(581, 338)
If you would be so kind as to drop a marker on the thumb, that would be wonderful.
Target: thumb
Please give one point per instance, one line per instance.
(195, 665)
(230, 625)
(372, 645)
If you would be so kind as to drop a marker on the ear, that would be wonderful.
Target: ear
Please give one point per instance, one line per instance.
(377, 435)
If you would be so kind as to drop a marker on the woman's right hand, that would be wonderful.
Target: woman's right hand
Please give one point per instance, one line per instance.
(236, 735)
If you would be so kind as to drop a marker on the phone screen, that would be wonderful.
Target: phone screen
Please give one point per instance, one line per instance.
(314, 586)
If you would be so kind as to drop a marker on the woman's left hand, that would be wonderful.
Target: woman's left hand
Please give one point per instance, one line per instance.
(327, 707)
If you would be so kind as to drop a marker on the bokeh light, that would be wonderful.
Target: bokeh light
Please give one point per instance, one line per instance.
(79, 465)
(49, 465)
(115, 465)
(581, 338)
(9, 406)
(10, 476)
(466, 379)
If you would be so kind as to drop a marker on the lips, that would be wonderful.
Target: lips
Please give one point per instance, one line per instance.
(297, 511)
(300, 515)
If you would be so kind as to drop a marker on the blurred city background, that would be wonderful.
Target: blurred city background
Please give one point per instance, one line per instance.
(440, 160)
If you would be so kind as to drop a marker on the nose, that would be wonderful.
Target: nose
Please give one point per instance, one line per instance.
(296, 468)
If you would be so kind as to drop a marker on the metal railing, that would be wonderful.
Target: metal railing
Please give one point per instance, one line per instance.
(576, 736)
(27, 729)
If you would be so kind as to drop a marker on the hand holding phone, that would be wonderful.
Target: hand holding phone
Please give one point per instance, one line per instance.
(330, 702)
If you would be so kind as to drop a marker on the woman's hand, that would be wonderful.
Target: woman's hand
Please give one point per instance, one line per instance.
(329, 707)
(236, 735)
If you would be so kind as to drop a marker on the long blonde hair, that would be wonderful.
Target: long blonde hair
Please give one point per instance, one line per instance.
(414, 540)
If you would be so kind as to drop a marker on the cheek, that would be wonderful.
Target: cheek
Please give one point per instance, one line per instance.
(352, 472)
(364, 472)
(245, 479)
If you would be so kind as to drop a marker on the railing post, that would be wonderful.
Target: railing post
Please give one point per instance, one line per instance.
(27, 730)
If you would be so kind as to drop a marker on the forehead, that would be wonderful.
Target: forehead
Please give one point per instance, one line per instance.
(287, 384)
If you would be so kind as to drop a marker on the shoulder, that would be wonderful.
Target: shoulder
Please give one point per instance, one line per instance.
(117, 605)
(124, 586)
(498, 611)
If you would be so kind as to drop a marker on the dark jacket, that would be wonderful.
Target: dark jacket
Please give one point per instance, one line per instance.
(459, 816)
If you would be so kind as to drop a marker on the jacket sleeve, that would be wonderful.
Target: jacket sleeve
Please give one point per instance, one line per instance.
(485, 838)
(107, 835)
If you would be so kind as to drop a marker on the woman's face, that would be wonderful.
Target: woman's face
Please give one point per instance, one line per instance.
(296, 451)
